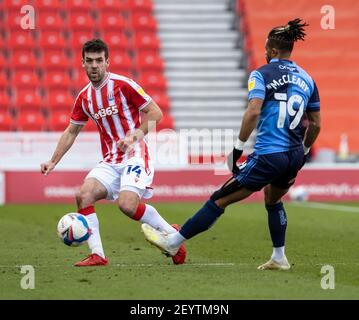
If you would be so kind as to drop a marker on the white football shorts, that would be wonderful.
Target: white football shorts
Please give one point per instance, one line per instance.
(129, 176)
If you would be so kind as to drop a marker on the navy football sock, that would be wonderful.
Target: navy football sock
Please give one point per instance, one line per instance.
(202, 220)
(277, 222)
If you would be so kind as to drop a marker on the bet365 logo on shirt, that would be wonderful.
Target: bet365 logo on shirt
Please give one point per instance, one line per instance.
(109, 111)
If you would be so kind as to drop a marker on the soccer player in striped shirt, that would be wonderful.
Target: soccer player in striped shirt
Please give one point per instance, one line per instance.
(115, 104)
(280, 93)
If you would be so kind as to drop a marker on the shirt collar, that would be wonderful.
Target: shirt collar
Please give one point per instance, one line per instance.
(286, 60)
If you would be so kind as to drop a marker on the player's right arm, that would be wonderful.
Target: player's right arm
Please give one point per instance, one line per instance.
(312, 131)
(78, 120)
(66, 141)
(256, 95)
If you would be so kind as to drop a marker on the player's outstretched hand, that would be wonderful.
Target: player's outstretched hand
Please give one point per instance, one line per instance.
(232, 159)
(126, 144)
(47, 167)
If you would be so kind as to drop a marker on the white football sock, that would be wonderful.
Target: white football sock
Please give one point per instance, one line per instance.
(175, 239)
(278, 253)
(94, 242)
(154, 219)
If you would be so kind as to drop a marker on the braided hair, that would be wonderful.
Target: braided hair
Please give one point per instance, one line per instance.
(283, 37)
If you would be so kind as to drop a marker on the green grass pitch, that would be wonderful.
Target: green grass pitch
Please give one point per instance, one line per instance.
(221, 263)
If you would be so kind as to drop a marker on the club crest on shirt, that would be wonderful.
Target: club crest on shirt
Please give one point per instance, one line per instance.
(110, 95)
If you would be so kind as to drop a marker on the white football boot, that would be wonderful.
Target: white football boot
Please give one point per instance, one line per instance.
(158, 239)
(271, 264)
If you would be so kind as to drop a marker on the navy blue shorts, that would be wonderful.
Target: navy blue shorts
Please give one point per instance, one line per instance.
(278, 169)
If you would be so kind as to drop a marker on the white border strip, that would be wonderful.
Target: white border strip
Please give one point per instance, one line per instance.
(325, 206)
(2, 188)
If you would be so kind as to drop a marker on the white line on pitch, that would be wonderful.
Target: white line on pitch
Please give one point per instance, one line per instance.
(214, 264)
(296, 264)
(325, 206)
(125, 265)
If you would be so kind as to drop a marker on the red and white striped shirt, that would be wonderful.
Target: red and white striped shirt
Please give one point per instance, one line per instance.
(115, 108)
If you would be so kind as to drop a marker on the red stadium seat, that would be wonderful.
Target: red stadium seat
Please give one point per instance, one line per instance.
(110, 21)
(111, 6)
(81, 22)
(143, 21)
(165, 123)
(30, 121)
(21, 40)
(149, 60)
(3, 62)
(57, 80)
(78, 38)
(58, 120)
(13, 21)
(6, 122)
(49, 21)
(4, 102)
(13, 5)
(120, 60)
(153, 81)
(55, 60)
(146, 40)
(3, 80)
(123, 72)
(82, 6)
(116, 40)
(23, 60)
(59, 100)
(162, 100)
(140, 5)
(27, 100)
(49, 5)
(25, 80)
(80, 79)
(52, 40)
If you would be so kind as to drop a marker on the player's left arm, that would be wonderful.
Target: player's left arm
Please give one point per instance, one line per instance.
(152, 115)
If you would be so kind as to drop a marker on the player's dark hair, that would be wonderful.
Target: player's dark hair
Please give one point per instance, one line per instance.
(95, 45)
(283, 37)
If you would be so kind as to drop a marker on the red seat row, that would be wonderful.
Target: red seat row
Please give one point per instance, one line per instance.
(56, 99)
(57, 121)
(81, 5)
(54, 40)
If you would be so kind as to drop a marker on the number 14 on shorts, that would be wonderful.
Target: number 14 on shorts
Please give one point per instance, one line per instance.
(135, 169)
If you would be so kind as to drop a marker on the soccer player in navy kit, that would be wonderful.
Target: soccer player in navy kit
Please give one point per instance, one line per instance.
(280, 93)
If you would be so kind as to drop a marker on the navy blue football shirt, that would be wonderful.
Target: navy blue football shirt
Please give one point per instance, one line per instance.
(287, 92)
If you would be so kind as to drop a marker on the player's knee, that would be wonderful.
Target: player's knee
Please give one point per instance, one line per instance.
(266, 195)
(127, 207)
(84, 198)
(217, 198)
(216, 195)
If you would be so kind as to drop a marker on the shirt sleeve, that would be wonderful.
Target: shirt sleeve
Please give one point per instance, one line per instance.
(256, 86)
(314, 100)
(136, 97)
(78, 115)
